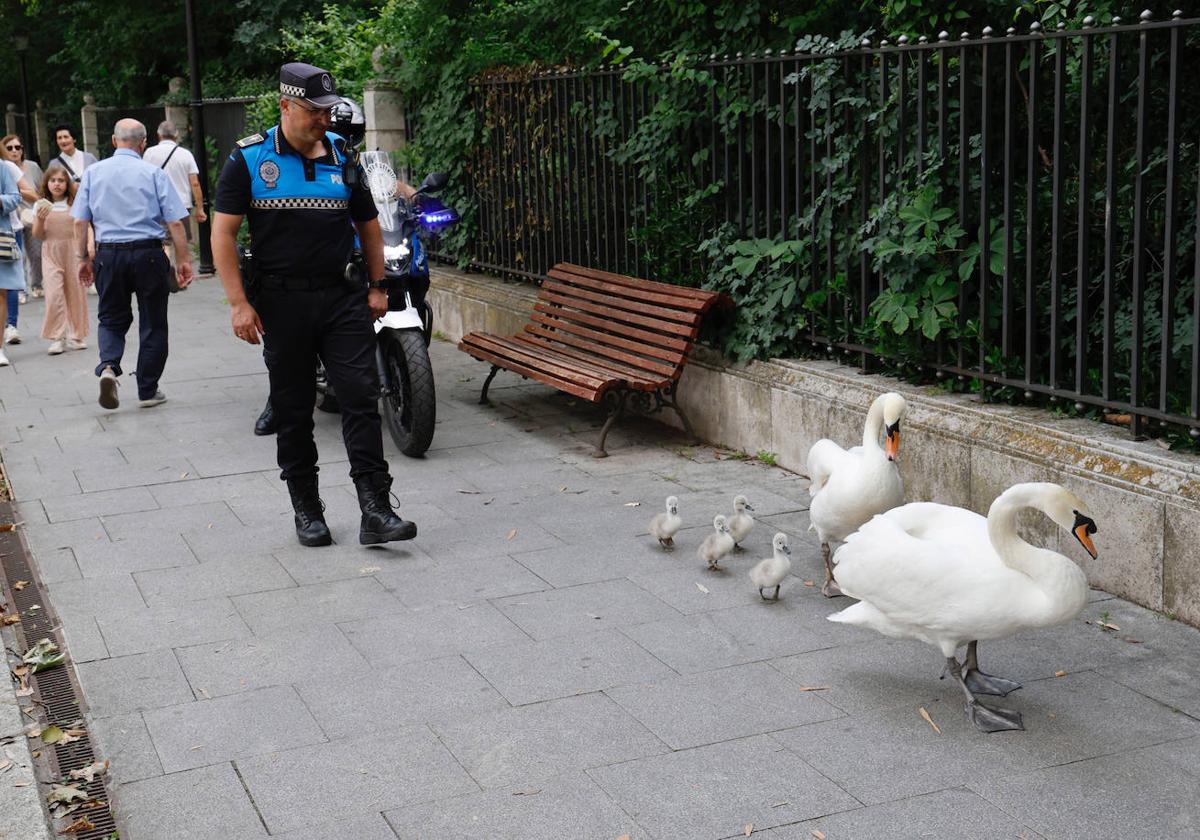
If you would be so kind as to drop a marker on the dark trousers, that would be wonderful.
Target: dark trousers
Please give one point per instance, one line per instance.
(334, 324)
(120, 276)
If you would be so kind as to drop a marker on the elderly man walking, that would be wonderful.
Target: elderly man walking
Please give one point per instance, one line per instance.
(128, 202)
(181, 169)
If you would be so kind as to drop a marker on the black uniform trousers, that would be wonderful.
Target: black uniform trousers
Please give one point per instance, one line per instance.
(335, 324)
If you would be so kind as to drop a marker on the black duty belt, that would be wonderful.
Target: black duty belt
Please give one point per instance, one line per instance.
(136, 245)
(300, 282)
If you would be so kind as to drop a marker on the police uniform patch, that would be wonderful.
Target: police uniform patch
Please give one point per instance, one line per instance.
(268, 170)
(252, 140)
(327, 81)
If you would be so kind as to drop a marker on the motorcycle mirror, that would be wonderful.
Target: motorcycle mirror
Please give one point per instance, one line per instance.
(434, 181)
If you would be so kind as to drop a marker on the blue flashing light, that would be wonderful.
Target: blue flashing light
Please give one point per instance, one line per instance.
(438, 217)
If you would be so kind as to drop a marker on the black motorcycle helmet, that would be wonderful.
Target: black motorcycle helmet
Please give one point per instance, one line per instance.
(348, 121)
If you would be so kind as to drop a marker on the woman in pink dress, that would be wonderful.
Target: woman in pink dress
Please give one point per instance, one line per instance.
(66, 322)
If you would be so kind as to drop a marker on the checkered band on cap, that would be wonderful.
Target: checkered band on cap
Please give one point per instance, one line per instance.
(291, 90)
(300, 204)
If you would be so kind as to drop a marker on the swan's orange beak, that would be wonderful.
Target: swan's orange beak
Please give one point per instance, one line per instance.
(1083, 530)
(891, 446)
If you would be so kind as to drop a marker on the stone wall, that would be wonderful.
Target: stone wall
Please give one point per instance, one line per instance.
(1146, 500)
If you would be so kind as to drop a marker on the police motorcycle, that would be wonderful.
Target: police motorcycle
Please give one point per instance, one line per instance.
(407, 397)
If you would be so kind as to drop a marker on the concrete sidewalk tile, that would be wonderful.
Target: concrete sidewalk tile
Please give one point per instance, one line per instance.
(31, 512)
(714, 791)
(299, 787)
(221, 544)
(371, 826)
(1171, 680)
(281, 610)
(206, 516)
(571, 806)
(583, 609)
(31, 484)
(214, 670)
(123, 741)
(1135, 794)
(528, 672)
(56, 564)
(224, 488)
(234, 576)
(432, 633)
(571, 565)
(721, 705)
(717, 639)
(102, 558)
(416, 692)
(681, 585)
(171, 626)
(93, 479)
(132, 683)
(100, 503)
(341, 562)
(421, 586)
(955, 814)
(210, 731)
(99, 596)
(537, 742)
(63, 534)
(192, 805)
(83, 640)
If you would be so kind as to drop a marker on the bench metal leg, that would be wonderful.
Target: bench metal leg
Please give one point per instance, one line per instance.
(483, 400)
(615, 410)
(667, 397)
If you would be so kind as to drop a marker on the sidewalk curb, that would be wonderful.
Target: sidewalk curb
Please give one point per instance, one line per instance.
(21, 814)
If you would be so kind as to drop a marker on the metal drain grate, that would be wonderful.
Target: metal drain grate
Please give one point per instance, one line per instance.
(54, 689)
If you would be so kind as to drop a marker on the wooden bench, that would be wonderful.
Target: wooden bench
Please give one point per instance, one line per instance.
(602, 337)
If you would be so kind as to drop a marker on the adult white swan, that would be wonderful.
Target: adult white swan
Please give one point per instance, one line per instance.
(949, 577)
(849, 486)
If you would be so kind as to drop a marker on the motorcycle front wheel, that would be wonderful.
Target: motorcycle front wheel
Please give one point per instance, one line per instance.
(408, 400)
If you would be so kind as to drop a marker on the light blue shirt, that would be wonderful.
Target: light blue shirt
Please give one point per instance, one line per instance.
(126, 199)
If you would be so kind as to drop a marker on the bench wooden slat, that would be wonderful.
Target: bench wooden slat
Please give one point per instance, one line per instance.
(541, 359)
(635, 378)
(639, 285)
(684, 303)
(647, 338)
(610, 312)
(651, 367)
(566, 386)
(605, 344)
(640, 307)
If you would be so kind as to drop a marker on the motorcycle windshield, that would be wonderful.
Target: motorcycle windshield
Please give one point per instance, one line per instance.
(381, 181)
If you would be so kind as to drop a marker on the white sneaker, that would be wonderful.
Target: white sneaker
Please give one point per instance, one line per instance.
(76, 344)
(56, 347)
(3, 359)
(108, 389)
(158, 399)
(12, 335)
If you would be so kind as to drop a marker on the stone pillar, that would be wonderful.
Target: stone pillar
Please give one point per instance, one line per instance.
(88, 126)
(383, 108)
(178, 111)
(43, 143)
(11, 120)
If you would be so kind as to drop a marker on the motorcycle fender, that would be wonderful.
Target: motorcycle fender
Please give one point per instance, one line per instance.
(407, 318)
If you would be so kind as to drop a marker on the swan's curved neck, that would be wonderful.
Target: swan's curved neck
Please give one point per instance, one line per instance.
(1002, 531)
(1055, 575)
(874, 427)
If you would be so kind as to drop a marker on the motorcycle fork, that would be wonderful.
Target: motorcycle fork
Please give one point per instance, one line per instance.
(387, 388)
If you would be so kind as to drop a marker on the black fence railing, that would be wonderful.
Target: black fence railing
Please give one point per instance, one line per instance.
(1018, 209)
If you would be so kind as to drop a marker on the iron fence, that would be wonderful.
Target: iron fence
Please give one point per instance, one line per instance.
(1067, 159)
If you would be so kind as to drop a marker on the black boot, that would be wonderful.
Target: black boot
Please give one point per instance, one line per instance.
(379, 523)
(311, 529)
(265, 424)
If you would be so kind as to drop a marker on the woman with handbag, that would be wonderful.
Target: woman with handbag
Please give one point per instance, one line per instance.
(13, 148)
(12, 269)
(66, 321)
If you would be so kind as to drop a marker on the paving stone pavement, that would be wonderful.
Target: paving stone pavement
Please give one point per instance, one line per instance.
(533, 665)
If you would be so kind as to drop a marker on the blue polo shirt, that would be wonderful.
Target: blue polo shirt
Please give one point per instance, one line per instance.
(126, 199)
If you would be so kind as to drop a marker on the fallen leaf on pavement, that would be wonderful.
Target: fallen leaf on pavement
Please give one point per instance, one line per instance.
(184, 475)
(633, 504)
(623, 837)
(81, 824)
(814, 688)
(563, 489)
(529, 792)
(1060, 673)
(20, 784)
(51, 734)
(10, 619)
(816, 832)
(7, 526)
(369, 570)
(20, 670)
(489, 501)
(470, 492)
(810, 583)
(702, 588)
(749, 829)
(43, 655)
(779, 804)
(21, 584)
(65, 794)
(511, 534)
(5, 765)
(90, 772)
(929, 720)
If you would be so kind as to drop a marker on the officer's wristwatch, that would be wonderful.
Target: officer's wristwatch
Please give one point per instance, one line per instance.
(376, 284)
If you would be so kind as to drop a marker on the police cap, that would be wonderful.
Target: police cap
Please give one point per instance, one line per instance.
(309, 83)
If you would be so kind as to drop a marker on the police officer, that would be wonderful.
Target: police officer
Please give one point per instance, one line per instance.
(300, 195)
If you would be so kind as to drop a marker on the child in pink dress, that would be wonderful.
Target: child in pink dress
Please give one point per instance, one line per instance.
(66, 322)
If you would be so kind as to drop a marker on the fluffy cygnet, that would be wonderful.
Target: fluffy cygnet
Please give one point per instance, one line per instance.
(772, 571)
(664, 526)
(717, 544)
